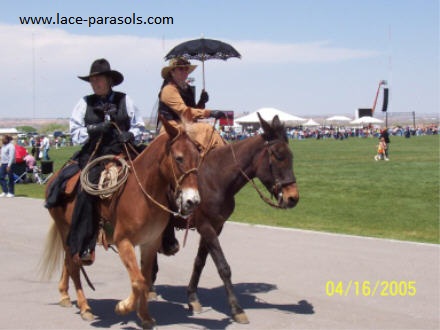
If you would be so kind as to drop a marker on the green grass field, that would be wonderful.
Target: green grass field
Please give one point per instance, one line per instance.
(343, 190)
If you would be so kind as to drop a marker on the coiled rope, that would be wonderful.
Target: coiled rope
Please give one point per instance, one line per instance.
(111, 178)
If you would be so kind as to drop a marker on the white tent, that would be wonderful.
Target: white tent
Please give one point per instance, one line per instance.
(338, 118)
(311, 122)
(268, 114)
(367, 120)
(8, 131)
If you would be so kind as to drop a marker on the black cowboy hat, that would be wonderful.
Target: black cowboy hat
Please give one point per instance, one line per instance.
(102, 66)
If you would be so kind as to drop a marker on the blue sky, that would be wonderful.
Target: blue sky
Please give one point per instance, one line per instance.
(308, 58)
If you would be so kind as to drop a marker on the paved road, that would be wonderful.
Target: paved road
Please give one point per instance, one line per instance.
(280, 278)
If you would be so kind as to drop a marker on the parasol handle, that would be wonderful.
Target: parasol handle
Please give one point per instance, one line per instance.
(203, 71)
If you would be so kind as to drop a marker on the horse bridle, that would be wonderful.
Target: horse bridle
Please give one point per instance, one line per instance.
(178, 181)
(278, 185)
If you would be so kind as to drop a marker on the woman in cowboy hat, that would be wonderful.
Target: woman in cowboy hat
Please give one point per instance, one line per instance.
(95, 114)
(101, 122)
(177, 104)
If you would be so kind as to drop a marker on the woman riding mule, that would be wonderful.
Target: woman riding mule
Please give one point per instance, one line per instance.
(102, 122)
(177, 104)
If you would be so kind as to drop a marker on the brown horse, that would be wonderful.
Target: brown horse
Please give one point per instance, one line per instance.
(224, 171)
(139, 217)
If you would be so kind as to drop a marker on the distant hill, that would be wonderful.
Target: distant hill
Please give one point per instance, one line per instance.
(394, 118)
(37, 123)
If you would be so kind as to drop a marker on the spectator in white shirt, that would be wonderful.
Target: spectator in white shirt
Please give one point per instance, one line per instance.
(7, 157)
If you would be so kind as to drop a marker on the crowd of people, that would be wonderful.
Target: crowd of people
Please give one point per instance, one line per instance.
(346, 132)
(41, 144)
(338, 133)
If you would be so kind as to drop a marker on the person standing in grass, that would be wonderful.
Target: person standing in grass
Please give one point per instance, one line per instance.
(45, 145)
(384, 134)
(7, 158)
(381, 150)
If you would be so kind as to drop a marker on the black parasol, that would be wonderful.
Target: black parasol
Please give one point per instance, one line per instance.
(203, 49)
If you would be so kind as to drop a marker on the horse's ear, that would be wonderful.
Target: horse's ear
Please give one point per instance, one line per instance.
(276, 122)
(273, 131)
(264, 124)
(278, 129)
(171, 130)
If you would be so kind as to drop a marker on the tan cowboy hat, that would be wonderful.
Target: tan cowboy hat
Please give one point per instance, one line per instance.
(102, 66)
(177, 62)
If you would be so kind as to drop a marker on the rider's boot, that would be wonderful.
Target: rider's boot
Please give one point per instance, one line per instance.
(170, 244)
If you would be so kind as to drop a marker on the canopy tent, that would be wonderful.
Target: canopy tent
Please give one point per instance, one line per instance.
(268, 114)
(367, 120)
(311, 122)
(338, 118)
(8, 131)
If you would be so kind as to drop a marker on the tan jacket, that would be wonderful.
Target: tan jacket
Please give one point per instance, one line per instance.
(205, 136)
(171, 97)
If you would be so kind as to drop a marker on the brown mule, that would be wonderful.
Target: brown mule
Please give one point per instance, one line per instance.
(139, 216)
(224, 171)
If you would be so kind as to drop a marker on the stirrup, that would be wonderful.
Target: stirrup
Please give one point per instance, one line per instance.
(87, 257)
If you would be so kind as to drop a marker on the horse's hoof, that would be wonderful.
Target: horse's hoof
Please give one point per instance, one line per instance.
(195, 306)
(170, 248)
(152, 296)
(241, 318)
(149, 325)
(87, 315)
(65, 302)
(121, 309)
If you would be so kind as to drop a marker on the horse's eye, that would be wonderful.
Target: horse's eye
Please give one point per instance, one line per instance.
(179, 159)
(278, 156)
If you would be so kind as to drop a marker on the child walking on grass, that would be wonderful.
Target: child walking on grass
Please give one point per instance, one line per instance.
(381, 150)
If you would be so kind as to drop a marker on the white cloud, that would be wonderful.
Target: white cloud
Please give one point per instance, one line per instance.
(47, 61)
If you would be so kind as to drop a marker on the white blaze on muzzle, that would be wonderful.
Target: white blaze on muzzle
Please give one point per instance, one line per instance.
(188, 200)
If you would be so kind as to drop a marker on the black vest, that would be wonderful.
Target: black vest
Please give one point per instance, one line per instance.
(187, 97)
(94, 115)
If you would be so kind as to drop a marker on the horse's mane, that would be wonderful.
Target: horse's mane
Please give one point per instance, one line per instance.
(271, 132)
(152, 149)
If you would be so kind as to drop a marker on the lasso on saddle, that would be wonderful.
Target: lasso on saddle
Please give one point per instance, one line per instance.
(113, 176)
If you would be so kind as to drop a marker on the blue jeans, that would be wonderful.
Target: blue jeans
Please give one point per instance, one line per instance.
(9, 188)
(46, 154)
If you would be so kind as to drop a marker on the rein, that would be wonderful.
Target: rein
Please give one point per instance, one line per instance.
(277, 185)
(177, 181)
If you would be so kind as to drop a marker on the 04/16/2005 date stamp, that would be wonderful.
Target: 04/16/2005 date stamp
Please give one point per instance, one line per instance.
(371, 288)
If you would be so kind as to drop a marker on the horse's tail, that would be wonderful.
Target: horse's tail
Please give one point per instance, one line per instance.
(51, 258)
